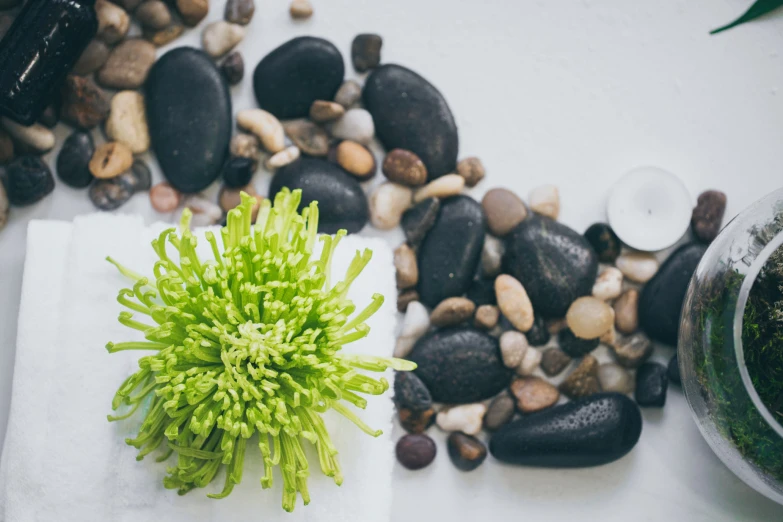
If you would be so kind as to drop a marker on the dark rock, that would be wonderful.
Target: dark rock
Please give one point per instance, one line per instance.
(632, 351)
(239, 11)
(341, 200)
(662, 297)
(554, 361)
(139, 177)
(573, 346)
(651, 382)
(500, 411)
(28, 181)
(449, 255)
(708, 215)
(554, 264)
(74, 159)
(289, 79)
(416, 451)
(110, 194)
(410, 392)
(409, 113)
(237, 172)
(460, 365)
(419, 219)
(233, 68)
(466, 452)
(588, 432)
(583, 381)
(50, 115)
(416, 421)
(673, 371)
(189, 116)
(93, 57)
(84, 104)
(604, 241)
(538, 335)
(366, 51)
(482, 292)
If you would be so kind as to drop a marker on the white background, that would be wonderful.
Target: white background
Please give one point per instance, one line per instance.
(571, 93)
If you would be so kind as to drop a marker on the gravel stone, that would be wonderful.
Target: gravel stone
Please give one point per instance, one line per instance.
(405, 298)
(534, 394)
(127, 121)
(113, 22)
(84, 104)
(237, 172)
(153, 14)
(626, 312)
(487, 317)
(472, 170)
(239, 11)
(205, 213)
(265, 126)
(545, 200)
(500, 411)
(442, 187)
(388, 201)
(452, 311)
(467, 418)
(632, 351)
(414, 325)
(355, 125)
(708, 215)
(407, 269)
(615, 378)
(414, 451)
(639, 267)
(589, 318)
(530, 362)
(554, 361)
(165, 198)
(322, 111)
(301, 9)
(109, 194)
(366, 51)
(609, 284)
(193, 11)
(36, 136)
(128, 65)
(491, 257)
(355, 159)
(466, 452)
(245, 146)
(583, 381)
(651, 384)
(404, 167)
(514, 303)
(348, 93)
(504, 211)
(164, 36)
(110, 160)
(513, 346)
(233, 68)
(93, 57)
(309, 137)
(220, 37)
(285, 157)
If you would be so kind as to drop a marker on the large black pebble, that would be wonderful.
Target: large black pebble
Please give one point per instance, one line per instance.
(450, 253)
(411, 114)
(582, 433)
(554, 264)
(341, 200)
(28, 181)
(460, 365)
(74, 159)
(290, 78)
(661, 300)
(189, 116)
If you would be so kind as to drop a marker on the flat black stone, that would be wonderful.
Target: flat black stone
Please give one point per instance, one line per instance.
(652, 379)
(189, 116)
(28, 181)
(411, 114)
(604, 241)
(341, 200)
(418, 220)
(290, 78)
(573, 346)
(74, 158)
(588, 432)
(411, 393)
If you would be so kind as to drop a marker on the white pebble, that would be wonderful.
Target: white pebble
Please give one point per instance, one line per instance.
(513, 346)
(530, 362)
(283, 158)
(545, 200)
(355, 125)
(264, 125)
(388, 202)
(36, 135)
(615, 378)
(220, 37)
(205, 213)
(609, 284)
(443, 187)
(639, 267)
(491, 256)
(467, 418)
(415, 324)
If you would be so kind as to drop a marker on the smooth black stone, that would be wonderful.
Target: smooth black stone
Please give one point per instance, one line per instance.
(651, 382)
(538, 335)
(189, 116)
(238, 171)
(418, 220)
(604, 241)
(582, 433)
(554, 264)
(410, 393)
(111, 194)
(482, 292)
(573, 346)
(411, 114)
(661, 300)
(74, 159)
(460, 365)
(449, 255)
(289, 79)
(673, 370)
(140, 176)
(28, 181)
(341, 200)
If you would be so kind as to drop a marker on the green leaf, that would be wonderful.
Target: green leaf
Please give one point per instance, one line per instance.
(760, 8)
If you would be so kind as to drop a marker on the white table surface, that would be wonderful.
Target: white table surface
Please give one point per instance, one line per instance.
(570, 93)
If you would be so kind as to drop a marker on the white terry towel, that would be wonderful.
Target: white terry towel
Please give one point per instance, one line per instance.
(63, 461)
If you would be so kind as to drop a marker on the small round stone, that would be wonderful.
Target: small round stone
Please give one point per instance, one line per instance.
(608, 285)
(127, 121)
(28, 181)
(708, 215)
(534, 394)
(514, 302)
(415, 450)
(220, 37)
(110, 160)
(615, 378)
(404, 167)
(230, 198)
(387, 203)
(165, 198)
(442, 187)
(139, 177)
(366, 51)
(466, 452)
(545, 200)
(237, 171)
(414, 325)
(573, 346)
(36, 136)
(164, 36)
(405, 298)
(109, 194)
(538, 335)
(472, 170)
(491, 256)
(113, 22)
(604, 241)
(309, 137)
(406, 266)
(487, 317)
(513, 346)
(245, 146)
(589, 318)
(583, 381)
(233, 68)
(673, 370)
(265, 126)
(128, 65)
(205, 213)
(632, 351)
(193, 11)
(452, 311)
(355, 125)
(651, 384)
(639, 267)
(504, 211)
(530, 362)
(356, 159)
(301, 9)
(285, 157)
(467, 418)
(500, 411)
(322, 111)
(554, 361)
(153, 14)
(74, 158)
(84, 104)
(348, 93)
(626, 312)
(92, 58)
(239, 11)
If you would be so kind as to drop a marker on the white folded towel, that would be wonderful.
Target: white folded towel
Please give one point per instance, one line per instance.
(63, 461)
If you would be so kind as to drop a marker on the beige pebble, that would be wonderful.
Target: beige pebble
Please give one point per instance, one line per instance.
(35, 136)
(153, 14)
(110, 160)
(388, 201)
(632, 351)
(639, 267)
(467, 418)
(414, 325)
(309, 137)
(452, 311)
(164, 36)
(534, 394)
(265, 126)
(356, 159)
(589, 318)
(514, 302)
(164, 198)
(609, 284)
(530, 362)
(615, 378)
(513, 346)
(610, 336)
(230, 198)
(355, 125)
(472, 170)
(301, 9)
(545, 200)
(220, 37)
(113, 21)
(245, 146)
(322, 111)
(504, 211)
(348, 93)
(406, 266)
(443, 187)
(404, 167)
(626, 311)
(92, 58)
(487, 317)
(283, 158)
(193, 11)
(127, 121)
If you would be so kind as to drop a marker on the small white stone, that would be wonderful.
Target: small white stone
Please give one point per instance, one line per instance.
(615, 378)
(415, 324)
(220, 37)
(514, 302)
(264, 125)
(639, 267)
(442, 187)
(609, 284)
(283, 158)
(491, 256)
(36, 135)
(530, 362)
(467, 418)
(513, 346)
(355, 125)
(545, 200)
(127, 121)
(388, 202)
(205, 213)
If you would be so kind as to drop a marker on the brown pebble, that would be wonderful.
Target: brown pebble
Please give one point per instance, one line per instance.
(164, 36)
(153, 14)
(110, 160)
(50, 116)
(404, 167)
(487, 317)
(452, 311)
(128, 65)
(230, 198)
(92, 58)
(165, 198)
(348, 93)
(583, 381)
(405, 298)
(356, 159)
(626, 312)
(193, 11)
(322, 111)
(554, 361)
(233, 68)
(514, 302)
(6, 147)
(708, 215)
(309, 137)
(239, 11)
(534, 394)
(113, 21)
(301, 9)
(366, 51)
(633, 351)
(500, 411)
(84, 104)
(466, 451)
(472, 170)
(416, 421)
(416, 451)
(504, 211)
(407, 268)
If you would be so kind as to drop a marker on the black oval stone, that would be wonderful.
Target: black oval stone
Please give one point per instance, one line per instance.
(419, 219)
(411, 114)
(341, 201)
(604, 241)
(238, 171)
(189, 116)
(28, 180)
(410, 392)
(573, 346)
(460, 365)
(290, 78)
(74, 159)
(450, 253)
(554, 264)
(661, 300)
(588, 432)
(652, 380)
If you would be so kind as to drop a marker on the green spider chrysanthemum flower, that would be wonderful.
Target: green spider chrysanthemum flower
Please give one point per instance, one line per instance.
(247, 344)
